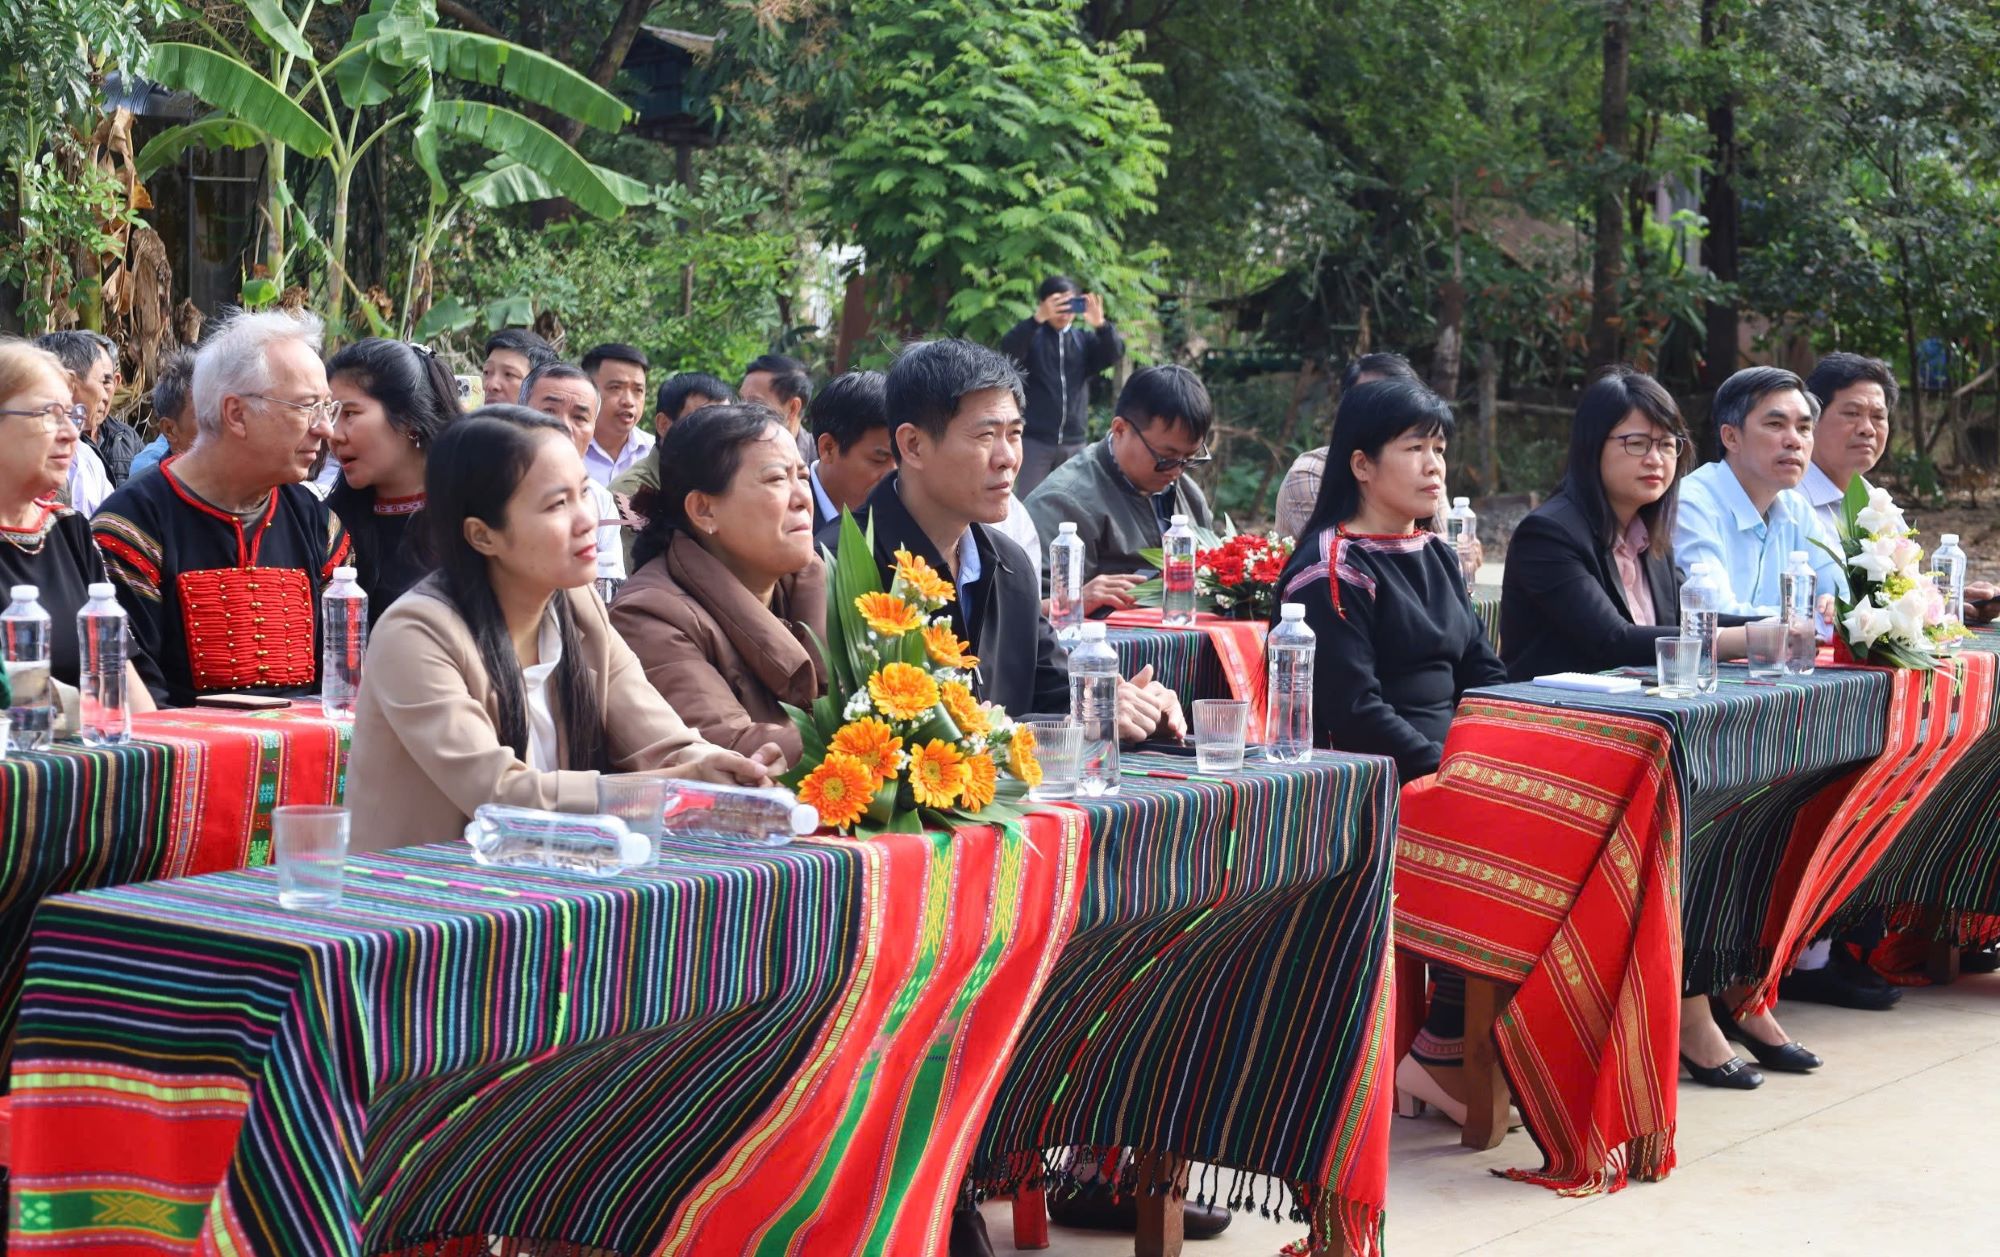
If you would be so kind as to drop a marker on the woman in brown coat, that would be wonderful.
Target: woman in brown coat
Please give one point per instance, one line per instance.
(728, 595)
(498, 679)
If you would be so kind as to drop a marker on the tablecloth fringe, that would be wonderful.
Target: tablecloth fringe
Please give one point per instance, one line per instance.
(1648, 1158)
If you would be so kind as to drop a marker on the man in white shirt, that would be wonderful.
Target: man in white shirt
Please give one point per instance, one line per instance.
(618, 373)
(567, 392)
(1856, 396)
(1745, 514)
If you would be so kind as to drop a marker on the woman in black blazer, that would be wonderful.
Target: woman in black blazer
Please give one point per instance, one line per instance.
(1591, 585)
(1564, 604)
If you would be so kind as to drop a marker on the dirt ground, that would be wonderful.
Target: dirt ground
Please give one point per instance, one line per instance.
(1978, 532)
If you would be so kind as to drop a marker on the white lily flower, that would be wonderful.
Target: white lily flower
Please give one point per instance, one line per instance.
(1876, 559)
(1881, 516)
(1865, 623)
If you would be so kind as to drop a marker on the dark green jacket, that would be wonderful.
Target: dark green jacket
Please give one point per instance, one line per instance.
(1115, 520)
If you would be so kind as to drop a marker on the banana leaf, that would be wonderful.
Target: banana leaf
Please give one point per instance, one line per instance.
(214, 131)
(270, 23)
(236, 90)
(527, 74)
(534, 146)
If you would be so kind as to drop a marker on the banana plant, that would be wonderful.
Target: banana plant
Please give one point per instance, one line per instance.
(392, 74)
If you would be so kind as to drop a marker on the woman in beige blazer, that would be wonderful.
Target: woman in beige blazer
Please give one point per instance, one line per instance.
(728, 595)
(498, 679)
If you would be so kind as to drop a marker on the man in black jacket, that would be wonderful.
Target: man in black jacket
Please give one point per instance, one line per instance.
(1057, 359)
(92, 362)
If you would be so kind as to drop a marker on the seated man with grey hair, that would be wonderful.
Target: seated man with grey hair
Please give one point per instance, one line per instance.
(1745, 514)
(220, 558)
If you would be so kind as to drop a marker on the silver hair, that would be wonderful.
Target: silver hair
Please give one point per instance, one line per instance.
(232, 360)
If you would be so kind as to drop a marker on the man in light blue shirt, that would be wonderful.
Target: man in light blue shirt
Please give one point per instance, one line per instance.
(1745, 514)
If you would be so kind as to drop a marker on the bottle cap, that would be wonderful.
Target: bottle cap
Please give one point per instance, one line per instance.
(1797, 556)
(634, 849)
(101, 589)
(1949, 539)
(25, 593)
(1180, 521)
(1458, 502)
(805, 819)
(1065, 527)
(343, 573)
(1292, 612)
(1093, 630)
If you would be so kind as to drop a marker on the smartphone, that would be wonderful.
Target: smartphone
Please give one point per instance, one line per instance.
(1077, 305)
(242, 702)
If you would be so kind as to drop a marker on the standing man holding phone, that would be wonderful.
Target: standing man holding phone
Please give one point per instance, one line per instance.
(1057, 359)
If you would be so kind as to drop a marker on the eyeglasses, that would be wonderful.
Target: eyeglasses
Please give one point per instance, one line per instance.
(1161, 463)
(1638, 446)
(54, 414)
(324, 411)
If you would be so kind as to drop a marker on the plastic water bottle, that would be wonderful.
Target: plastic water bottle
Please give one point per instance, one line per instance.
(1288, 694)
(769, 816)
(1949, 560)
(100, 640)
(1177, 573)
(1701, 609)
(1461, 529)
(1798, 592)
(1093, 704)
(523, 837)
(1066, 583)
(24, 640)
(343, 639)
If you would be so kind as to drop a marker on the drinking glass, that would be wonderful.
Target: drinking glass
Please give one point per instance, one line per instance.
(638, 799)
(1218, 734)
(1679, 662)
(310, 840)
(1764, 644)
(1059, 749)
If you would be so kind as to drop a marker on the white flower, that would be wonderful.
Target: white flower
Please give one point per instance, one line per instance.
(1877, 558)
(1881, 516)
(1909, 558)
(858, 704)
(1866, 623)
(1909, 613)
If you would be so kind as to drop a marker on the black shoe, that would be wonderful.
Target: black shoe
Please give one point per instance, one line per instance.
(1788, 1057)
(1094, 1209)
(968, 1232)
(1828, 986)
(1985, 960)
(1734, 1074)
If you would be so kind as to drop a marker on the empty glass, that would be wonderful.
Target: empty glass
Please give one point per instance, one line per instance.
(1764, 644)
(1679, 661)
(1059, 749)
(638, 799)
(1219, 724)
(310, 841)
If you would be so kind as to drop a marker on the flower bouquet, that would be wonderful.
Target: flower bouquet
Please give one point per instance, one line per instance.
(898, 742)
(1895, 615)
(1236, 573)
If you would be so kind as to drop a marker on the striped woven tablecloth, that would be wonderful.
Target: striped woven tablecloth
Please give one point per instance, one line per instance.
(193, 794)
(738, 1050)
(1224, 995)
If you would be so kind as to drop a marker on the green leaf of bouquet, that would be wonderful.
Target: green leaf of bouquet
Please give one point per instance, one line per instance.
(1149, 593)
(1854, 501)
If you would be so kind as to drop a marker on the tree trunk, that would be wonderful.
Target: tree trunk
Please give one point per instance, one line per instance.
(336, 249)
(1719, 206)
(611, 55)
(1917, 434)
(1489, 418)
(1614, 126)
(274, 211)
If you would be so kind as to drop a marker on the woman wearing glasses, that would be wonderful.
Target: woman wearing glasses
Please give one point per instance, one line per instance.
(1121, 492)
(1590, 581)
(42, 543)
(395, 399)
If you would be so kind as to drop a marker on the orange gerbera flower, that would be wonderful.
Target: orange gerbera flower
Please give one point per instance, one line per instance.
(982, 779)
(922, 578)
(841, 788)
(946, 650)
(871, 742)
(889, 615)
(938, 774)
(903, 691)
(964, 709)
(1021, 758)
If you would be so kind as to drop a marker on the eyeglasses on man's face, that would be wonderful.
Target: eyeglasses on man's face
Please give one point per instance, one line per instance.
(1163, 464)
(321, 412)
(55, 415)
(1639, 445)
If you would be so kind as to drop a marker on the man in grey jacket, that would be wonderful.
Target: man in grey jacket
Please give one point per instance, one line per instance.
(1121, 492)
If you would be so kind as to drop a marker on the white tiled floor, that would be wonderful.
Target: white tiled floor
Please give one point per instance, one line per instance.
(1892, 1148)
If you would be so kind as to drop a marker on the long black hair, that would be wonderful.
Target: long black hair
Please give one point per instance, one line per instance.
(699, 454)
(1370, 416)
(418, 394)
(471, 473)
(1617, 391)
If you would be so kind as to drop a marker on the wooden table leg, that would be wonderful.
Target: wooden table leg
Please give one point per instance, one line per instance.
(1031, 1219)
(1941, 963)
(1161, 1218)
(1485, 1086)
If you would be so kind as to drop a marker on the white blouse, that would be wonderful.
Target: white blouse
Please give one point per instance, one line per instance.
(542, 743)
